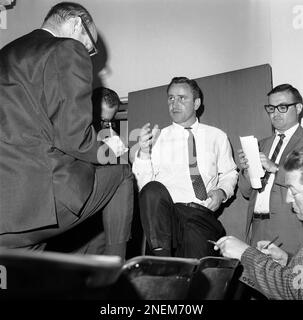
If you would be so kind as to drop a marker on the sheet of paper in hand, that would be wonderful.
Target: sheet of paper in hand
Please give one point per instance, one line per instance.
(255, 171)
(116, 144)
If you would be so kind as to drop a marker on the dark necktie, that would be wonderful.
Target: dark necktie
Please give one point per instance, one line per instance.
(273, 159)
(196, 179)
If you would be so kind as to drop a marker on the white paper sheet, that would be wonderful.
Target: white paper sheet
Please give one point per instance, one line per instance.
(255, 171)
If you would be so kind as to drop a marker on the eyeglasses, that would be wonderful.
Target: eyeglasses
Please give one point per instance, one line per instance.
(282, 108)
(94, 49)
(105, 124)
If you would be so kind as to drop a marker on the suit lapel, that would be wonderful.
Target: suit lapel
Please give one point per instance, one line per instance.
(266, 145)
(295, 140)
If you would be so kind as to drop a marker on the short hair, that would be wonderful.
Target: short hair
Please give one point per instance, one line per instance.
(294, 161)
(108, 95)
(196, 91)
(111, 98)
(287, 87)
(63, 11)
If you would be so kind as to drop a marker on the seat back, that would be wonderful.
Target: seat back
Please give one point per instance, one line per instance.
(31, 274)
(160, 278)
(214, 279)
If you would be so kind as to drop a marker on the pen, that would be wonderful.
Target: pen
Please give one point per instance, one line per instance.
(213, 242)
(272, 241)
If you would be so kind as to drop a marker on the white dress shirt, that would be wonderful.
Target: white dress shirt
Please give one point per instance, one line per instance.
(262, 201)
(169, 162)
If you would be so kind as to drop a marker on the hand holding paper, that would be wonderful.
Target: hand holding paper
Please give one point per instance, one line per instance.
(116, 144)
(255, 170)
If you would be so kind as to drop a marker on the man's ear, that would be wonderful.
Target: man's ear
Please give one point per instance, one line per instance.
(77, 24)
(299, 108)
(197, 103)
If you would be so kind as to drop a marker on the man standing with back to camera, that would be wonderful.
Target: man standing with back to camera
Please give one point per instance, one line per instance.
(184, 175)
(268, 213)
(50, 180)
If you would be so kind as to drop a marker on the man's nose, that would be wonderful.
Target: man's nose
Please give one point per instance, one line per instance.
(176, 101)
(276, 112)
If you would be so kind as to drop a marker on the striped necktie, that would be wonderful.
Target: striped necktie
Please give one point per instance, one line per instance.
(196, 179)
(273, 159)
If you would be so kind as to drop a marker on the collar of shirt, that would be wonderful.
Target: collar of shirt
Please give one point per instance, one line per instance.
(289, 132)
(45, 29)
(180, 128)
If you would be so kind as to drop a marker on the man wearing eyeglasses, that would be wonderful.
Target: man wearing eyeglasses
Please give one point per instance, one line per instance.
(268, 213)
(106, 104)
(50, 174)
(267, 268)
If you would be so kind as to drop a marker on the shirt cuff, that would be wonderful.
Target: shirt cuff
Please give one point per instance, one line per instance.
(225, 191)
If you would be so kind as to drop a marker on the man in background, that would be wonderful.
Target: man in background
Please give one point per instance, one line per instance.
(268, 213)
(184, 174)
(106, 104)
(272, 271)
(50, 180)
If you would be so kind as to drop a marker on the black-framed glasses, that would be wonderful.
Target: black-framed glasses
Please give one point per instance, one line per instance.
(282, 108)
(94, 49)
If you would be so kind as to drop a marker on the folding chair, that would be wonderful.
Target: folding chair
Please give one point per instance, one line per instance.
(214, 279)
(32, 274)
(160, 278)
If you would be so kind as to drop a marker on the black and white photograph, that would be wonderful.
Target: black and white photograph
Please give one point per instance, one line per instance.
(151, 156)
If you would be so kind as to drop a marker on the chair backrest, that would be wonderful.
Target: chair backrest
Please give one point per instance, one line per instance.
(57, 275)
(214, 279)
(160, 278)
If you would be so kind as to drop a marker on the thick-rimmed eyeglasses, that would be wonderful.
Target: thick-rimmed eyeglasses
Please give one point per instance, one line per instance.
(282, 108)
(93, 51)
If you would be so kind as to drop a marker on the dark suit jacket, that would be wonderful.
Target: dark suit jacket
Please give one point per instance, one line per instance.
(48, 146)
(270, 278)
(289, 224)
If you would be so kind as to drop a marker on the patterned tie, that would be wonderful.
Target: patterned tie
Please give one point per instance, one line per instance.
(273, 159)
(197, 181)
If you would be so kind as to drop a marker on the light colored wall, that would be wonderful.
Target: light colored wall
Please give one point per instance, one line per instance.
(150, 41)
(287, 42)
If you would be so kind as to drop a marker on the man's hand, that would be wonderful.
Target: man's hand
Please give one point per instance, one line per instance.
(267, 164)
(231, 247)
(216, 196)
(147, 139)
(274, 252)
(243, 162)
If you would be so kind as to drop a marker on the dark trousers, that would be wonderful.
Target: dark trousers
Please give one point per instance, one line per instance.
(109, 209)
(180, 230)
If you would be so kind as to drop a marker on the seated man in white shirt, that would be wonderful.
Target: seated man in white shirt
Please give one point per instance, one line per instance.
(184, 174)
